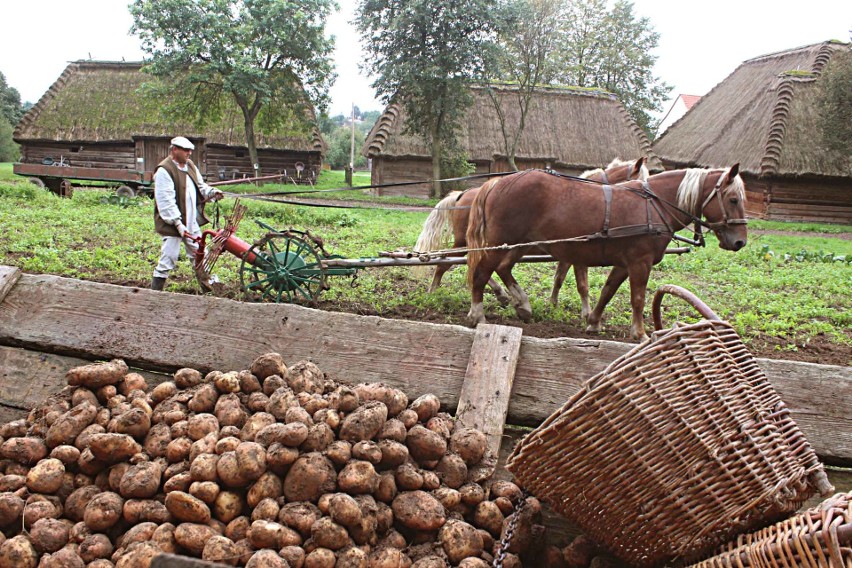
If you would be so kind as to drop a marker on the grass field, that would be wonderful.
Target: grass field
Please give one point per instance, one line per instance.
(786, 291)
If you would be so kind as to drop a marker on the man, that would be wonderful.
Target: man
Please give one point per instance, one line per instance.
(180, 194)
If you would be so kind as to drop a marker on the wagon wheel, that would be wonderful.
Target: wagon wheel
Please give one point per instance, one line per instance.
(125, 191)
(283, 267)
(38, 182)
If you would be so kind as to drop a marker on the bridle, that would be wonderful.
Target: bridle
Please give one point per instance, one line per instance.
(725, 220)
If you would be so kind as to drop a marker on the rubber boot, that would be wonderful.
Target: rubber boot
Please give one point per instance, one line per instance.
(157, 283)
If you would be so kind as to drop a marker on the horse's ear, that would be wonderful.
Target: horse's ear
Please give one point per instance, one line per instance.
(732, 173)
(637, 167)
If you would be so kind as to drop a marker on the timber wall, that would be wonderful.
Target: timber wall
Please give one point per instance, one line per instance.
(804, 199)
(120, 156)
(50, 324)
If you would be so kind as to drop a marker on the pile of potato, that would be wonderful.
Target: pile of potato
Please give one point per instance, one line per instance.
(266, 467)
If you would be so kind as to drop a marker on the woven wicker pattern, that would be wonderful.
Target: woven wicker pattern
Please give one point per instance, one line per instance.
(674, 449)
(819, 537)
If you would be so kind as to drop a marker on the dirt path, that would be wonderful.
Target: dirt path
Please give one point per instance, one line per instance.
(842, 236)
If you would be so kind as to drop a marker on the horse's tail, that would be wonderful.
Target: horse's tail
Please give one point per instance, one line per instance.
(437, 229)
(476, 229)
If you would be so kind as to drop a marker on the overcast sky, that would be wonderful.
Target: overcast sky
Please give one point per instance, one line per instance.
(701, 43)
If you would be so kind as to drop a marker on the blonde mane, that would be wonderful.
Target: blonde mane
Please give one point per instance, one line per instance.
(643, 174)
(690, 189)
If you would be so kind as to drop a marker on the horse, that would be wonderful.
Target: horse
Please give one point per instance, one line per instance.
(626, 226)
(452, 213)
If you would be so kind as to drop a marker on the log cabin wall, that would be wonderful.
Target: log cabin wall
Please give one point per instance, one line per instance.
(118, 155)
(807, 198)
(229, 162)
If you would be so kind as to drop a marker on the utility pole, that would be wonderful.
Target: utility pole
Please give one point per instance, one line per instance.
(351, 147)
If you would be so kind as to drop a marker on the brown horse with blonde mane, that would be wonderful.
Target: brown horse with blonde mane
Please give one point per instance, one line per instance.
(626, 226)
(453, 212)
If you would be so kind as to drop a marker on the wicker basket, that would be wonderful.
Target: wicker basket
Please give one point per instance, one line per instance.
(674, 449)
(819, 537)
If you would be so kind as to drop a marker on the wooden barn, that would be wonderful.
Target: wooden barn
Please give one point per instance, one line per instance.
(94, 116)
(567, 129)
(765, 116)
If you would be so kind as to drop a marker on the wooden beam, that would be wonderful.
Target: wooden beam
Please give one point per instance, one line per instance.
(165, 331)
(8, 276)
(487, 387)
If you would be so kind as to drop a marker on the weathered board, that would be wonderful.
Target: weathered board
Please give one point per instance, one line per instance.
(487, 388)
(163, 331)
(8, 277)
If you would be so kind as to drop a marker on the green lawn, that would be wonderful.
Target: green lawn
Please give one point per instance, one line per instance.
(785, 288)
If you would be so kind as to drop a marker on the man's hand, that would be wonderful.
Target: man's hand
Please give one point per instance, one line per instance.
(216, 195)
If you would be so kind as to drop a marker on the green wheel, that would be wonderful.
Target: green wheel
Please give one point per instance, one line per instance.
(283, 267)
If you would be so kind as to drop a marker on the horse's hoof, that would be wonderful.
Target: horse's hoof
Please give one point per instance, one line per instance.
(504, 300)
(593, 328)
(554, 302)
(524, 314)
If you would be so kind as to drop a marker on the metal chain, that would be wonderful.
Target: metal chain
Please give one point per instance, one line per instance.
(510, 531)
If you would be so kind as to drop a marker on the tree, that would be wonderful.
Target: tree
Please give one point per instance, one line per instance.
(528, 40)
(835, 103)
(612, 51)
(9, 151)
(11, 112)
(424, 55)
(339, 146)
(270, 57)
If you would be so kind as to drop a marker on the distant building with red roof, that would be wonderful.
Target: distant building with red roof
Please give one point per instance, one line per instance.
(679, 107)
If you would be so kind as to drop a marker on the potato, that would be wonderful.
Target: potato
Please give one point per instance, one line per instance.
(138, 533)
(95, 546)
(229, 411)
(207, 491)
(268, 486)
(280, 400)
(386, 490)
(227, 444)
(178, 482)
(70, 424)
(344, 510)
(227, 382)
(66, 454)
(145, 510)
(419, 511)
(193, 536)
(364, 422)
(292, 435)
(328, 534)
(358, 477)
(395, 400)
(251, 460)
(204, 399)
(186, 378)
(163, 391)
(203, 468)
(178, 450)
(141, 481)
(320, 436)
(388, 558)
(426, 407)
(138, 555)
(408, 477)
(24, 450)
(449, 498)
(320, 558)
(10, 483)
(46, 476)
(228, 506)
(305, 376)
(480, 563)
(255, 424)
(352, 557)
(309, 477)
(257, 402)
(442, 423)
(367, 450)
(40, 507)
(200, 425)
(18, 552)
(506, 489)
(186, 508)
(14, 429)
(97, 375)
(452, 471)
(293, 555)
(112, 448)
(103, 511)
(488, 516)
(49, 535)
(268, 364)
(62, 558)
(339, 452)
(469, 444)
(299, 517)
(391, 453)
(460, 540)
(220, 549)
(424, 444)
(266, 559)
(164, 538)
(266, 510)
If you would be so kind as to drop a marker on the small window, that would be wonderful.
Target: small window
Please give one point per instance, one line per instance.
(76, 149)
(240, 154)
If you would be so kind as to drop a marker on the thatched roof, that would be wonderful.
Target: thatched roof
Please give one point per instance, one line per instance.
(764, 115)
(569, 127)
(100, 101)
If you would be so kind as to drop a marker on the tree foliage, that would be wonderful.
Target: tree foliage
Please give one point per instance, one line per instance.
(612, 50)
(11, 111)
(270, 57)
(835, 103)
(528, 43)
(424, 55)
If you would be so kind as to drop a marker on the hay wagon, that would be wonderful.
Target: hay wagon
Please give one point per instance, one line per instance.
(492, 378)
(60, 178)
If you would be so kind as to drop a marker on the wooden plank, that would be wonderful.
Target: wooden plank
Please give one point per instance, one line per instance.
(484, 398)
(174, 561)
(164, 331)
(9, 275)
